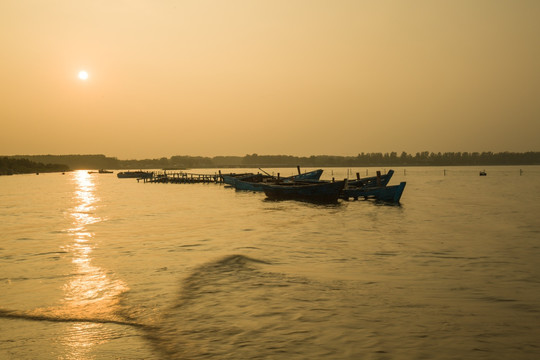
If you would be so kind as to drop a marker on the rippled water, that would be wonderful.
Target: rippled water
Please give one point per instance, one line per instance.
(96, 267)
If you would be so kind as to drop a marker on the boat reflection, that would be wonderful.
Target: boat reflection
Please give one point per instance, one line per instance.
(90, 293)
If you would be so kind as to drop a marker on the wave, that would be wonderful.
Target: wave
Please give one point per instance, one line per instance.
(37, 316)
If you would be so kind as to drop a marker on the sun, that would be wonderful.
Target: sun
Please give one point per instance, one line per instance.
(83, 75)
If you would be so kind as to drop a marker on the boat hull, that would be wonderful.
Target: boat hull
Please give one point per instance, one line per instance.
(248, 186)
(386, 193)
(317, 192)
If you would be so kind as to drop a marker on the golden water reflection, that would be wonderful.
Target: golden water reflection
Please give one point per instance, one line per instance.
(91, 293)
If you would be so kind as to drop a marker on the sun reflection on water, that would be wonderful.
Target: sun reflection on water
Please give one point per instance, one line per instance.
(91, 293)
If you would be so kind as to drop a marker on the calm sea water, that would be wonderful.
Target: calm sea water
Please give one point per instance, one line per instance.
(96, 267)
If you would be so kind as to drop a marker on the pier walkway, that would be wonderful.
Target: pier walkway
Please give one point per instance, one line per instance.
(180, 177)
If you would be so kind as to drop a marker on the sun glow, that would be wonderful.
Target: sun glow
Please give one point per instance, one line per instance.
(83, 75)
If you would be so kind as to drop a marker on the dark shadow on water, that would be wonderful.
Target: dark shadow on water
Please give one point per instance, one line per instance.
(234, 308)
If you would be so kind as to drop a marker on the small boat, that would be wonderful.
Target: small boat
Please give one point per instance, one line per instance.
(379, 180)
(373, 181)
(310, 175)
(101, 171)
(135, 174)
(383, 193)
(483, 173)
(255, 182)
(252, 182)
(230, 179)
(306, 191)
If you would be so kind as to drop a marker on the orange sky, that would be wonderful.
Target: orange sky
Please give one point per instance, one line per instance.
(298, 77)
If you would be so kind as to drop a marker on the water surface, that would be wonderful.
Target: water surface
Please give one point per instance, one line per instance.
(96, 267)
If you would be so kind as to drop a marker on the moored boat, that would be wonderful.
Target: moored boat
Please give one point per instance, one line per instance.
(135, 174)
(310, 175)
(101, 171)
(255, 182)
(371, 181)
(230, 179)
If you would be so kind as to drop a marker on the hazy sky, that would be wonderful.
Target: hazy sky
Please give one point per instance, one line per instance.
(298, 77)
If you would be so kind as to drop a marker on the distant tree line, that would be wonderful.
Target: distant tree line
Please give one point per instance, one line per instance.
(75, 162)
(11, 166)
(425, 158)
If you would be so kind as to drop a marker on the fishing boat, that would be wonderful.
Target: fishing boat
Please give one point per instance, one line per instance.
(230, 179)
(371, 181)
(255, 182)
(135, 174)
(383, 193)
(307, 191)
(252, 182)
(101, 171)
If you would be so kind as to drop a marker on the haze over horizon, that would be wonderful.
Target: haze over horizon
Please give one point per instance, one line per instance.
(148, 79)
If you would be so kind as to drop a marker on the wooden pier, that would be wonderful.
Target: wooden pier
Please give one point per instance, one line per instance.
(180, 177)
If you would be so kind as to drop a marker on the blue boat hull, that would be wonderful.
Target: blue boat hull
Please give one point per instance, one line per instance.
(248, 186)
(387, 193)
